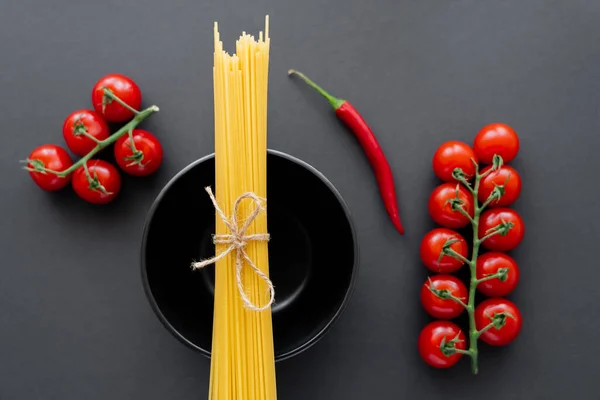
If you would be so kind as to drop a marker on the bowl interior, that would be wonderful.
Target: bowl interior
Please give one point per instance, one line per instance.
(312, 254)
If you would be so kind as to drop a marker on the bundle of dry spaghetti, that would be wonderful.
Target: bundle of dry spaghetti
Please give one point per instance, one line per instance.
(242, 359)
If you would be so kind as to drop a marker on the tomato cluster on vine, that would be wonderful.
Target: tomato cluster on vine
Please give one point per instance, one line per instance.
(480, 197)
(116, 98)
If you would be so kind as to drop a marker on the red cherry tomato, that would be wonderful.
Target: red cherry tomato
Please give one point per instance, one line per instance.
(430, 344)
(441, 210)
(494, 217)
(489, 264)
(431, 248)
(510, 324)
(51, 157)
(79, 126)
(451, 155)
(125, 89)
(146, 158)
(439, 307)
(498, 139)
(100, 185)
(504, 176)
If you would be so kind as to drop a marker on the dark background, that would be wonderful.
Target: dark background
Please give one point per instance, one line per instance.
(74, 322)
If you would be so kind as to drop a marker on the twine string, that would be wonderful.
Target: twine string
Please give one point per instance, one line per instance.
(237, 240)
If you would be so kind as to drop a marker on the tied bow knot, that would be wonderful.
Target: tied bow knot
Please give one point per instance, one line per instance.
(237, 240)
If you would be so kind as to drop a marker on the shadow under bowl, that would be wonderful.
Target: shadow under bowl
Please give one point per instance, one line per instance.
(313, 254)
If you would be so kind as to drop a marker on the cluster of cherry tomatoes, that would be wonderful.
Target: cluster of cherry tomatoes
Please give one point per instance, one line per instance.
(137, 152)
(444, 250)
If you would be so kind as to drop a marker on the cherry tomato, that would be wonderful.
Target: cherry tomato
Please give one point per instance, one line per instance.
(125, 89)
(431, 248)
(504, 176)
(509, 324)
(100, 185)
(489, 264)
(444, 285)
(430, 344)
(498, 139)
(146, 158)
(81, 124)
(441, 210)
(51, 157)
(453, 154)
(494, 217)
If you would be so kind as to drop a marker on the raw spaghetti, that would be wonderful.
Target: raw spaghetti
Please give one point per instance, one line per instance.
(242, 358)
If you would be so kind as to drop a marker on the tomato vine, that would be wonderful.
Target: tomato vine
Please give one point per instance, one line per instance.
(495, 321)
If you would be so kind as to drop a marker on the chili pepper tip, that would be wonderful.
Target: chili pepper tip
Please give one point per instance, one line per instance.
(398, 225)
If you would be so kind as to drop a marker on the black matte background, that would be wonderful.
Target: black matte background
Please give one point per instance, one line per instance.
(74, 322)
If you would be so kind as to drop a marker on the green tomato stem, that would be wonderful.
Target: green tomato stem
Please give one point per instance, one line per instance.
(473, 332)
(458, 256)
(108, 93)
(485, 328)
(493, 276)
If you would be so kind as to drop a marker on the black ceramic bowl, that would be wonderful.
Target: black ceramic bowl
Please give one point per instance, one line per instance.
(313, 254)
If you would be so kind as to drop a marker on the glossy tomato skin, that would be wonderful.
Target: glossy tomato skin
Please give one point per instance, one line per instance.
(441, 210)
(87, 120)
(505, 334)
(506, 176)
(493, 217)
(52, 157)
(443, 308)
(489, 264)
(431, 248)
(431, 338)
(124, 88)
(147, 144)
(108, 176)
(498, 139)
(451, 155)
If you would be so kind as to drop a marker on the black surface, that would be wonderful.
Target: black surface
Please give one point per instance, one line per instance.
(74, 321)
(312, 270)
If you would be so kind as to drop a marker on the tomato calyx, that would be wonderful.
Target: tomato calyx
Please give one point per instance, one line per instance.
(501, 229)
(498, 320)
(447, 250)
(94, 182)
(457, 204)
(448, 347)
(35, 165)
(444, 294)
(501, 275)
(109, 97)
(460, 176)
(136, 156)
(79, 127)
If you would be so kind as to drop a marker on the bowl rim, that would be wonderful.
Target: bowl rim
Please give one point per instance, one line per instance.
(316, 337)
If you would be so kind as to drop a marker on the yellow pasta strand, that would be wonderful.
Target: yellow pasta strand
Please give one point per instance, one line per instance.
(243, 360)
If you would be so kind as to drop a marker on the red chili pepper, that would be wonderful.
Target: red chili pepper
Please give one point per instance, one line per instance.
(352, 118)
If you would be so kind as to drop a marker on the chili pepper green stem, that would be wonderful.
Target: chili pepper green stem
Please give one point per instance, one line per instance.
(142, 115)
(334, 101)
